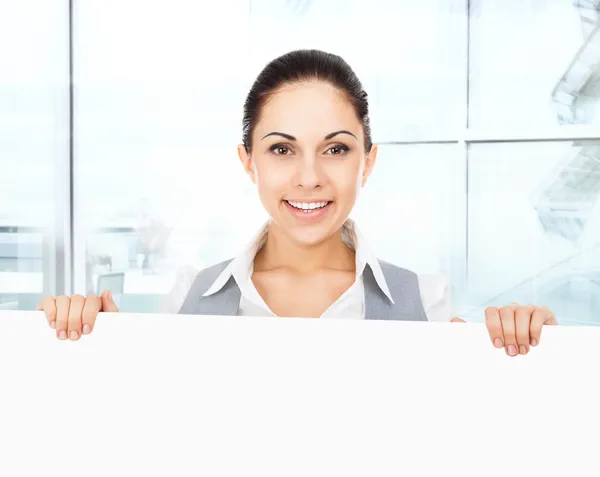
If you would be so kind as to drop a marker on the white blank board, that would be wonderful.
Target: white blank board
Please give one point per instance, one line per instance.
(212, 396)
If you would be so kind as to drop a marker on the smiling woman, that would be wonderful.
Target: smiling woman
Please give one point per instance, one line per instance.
(307, 147)
(316, 208)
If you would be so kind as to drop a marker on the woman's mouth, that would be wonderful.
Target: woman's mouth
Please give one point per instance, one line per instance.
(308, 211)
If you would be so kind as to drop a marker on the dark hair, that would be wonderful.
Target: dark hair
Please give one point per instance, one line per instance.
(305, 65)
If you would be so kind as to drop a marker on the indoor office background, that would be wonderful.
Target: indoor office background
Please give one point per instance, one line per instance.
(119, 121)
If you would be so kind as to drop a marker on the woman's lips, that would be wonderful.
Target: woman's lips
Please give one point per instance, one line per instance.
(300, 210)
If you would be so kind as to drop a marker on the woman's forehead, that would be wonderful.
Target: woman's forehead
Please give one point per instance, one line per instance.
(308, 107)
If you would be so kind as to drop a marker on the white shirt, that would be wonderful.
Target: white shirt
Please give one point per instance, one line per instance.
(435, 289)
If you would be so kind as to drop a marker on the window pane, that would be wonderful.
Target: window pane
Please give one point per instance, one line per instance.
(34, 134)
(157, 172)
(534, 63)
(534, 232)
(410, 56)
(412, 210)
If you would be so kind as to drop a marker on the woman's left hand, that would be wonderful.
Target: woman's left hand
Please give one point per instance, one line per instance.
(516, 328)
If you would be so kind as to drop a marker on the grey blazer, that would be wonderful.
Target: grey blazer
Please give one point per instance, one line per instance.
(403, 285)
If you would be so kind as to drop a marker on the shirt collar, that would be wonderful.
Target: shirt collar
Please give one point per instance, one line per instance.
(364, 256)
(242, 266)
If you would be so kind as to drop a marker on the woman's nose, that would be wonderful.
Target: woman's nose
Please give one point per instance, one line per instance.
(309, 174)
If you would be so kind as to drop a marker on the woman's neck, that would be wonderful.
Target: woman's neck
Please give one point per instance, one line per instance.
(280, 251)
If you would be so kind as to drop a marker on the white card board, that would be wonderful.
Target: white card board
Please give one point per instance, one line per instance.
(212, 396)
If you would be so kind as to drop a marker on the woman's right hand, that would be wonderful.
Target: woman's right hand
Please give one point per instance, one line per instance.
(73, 316)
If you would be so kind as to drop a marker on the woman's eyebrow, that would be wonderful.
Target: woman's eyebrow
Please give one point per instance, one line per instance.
(333, 134)
(287, 136)
(292, 138)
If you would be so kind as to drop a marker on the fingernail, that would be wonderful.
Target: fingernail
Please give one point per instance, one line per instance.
(74, 335)
(533, 342)
(62, 335)
(87, 329)
(53, 325)
(498, 343)
(512, 350)
(523, 349)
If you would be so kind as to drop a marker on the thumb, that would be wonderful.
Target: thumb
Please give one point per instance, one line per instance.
(108, 305)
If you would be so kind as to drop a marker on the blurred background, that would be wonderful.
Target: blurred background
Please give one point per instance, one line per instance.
(119, 122)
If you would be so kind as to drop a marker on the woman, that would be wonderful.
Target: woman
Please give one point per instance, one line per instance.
(307, 147)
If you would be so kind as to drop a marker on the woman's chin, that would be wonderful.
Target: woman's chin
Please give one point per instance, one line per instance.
(309, 236)
(308, 230)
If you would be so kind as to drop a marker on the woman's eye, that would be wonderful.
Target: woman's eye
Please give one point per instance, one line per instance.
(337, 150)
(280, 150)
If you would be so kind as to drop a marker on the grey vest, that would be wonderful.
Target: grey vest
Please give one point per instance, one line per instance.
(403, 285)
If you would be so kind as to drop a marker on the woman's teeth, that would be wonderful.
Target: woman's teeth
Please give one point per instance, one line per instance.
(308, 206)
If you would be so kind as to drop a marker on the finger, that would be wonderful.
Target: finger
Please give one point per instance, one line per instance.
(522, 321)
(48, 306)
(108, 304)
(551, 319)
(507, 318)
(75, 312)
(63, 303)
(91, 309)
(494, 326)
(541, 316)
(457, 320)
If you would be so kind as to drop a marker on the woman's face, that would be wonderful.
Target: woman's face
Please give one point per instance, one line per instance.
(308, 160)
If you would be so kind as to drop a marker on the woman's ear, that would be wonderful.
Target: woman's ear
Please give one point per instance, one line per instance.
(246, 162)
(369, 164)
